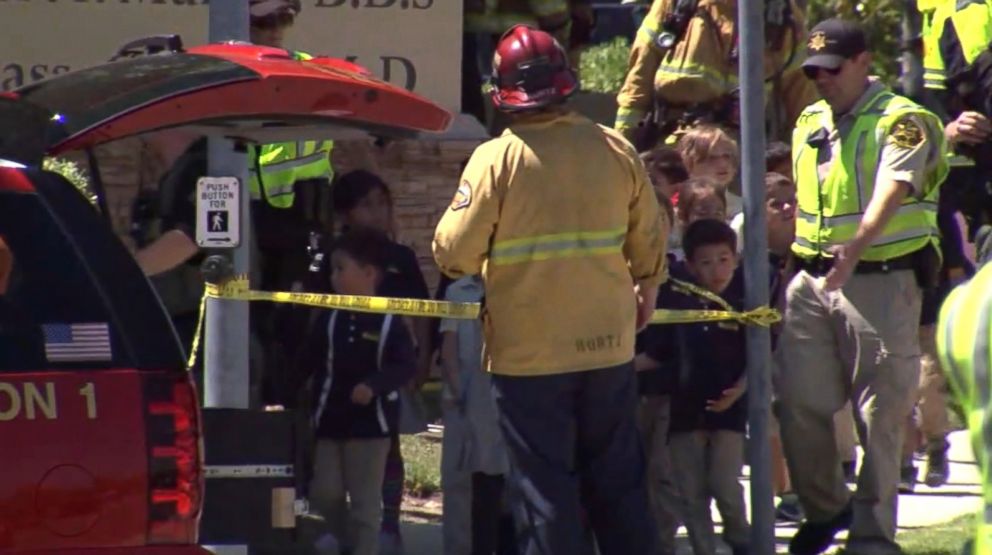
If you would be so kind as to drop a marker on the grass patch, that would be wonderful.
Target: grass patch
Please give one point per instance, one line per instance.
(603, 67)
(942, 539)
(422, 458)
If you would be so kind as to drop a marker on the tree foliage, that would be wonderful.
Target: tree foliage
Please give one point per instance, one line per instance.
(603, 67)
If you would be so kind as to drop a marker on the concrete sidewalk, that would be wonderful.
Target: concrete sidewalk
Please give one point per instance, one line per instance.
(925, 507)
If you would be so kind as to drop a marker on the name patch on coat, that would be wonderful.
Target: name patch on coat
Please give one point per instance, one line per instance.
(597, 343)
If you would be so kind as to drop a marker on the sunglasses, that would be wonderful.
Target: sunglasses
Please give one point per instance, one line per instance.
(812, 71)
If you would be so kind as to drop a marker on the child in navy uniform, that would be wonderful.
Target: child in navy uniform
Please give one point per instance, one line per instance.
(704, 364)
(363, 200)
(359, 361)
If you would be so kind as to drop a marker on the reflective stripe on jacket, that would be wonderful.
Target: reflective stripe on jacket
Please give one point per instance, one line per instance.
(559, 218)
(934, 19)
(283, 164)
(280, 165)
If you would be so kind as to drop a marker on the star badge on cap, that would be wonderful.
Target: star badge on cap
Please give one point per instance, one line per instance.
(817, 41)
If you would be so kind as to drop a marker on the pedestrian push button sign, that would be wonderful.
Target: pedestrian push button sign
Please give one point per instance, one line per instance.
(217, 212)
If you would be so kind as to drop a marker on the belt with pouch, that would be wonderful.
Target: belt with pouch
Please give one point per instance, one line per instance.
(821, 265)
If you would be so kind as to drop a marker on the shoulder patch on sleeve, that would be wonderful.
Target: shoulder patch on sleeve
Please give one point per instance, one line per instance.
(906, 133)
(463, 196)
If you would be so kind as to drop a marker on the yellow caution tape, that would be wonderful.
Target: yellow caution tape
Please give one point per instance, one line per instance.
(237, 289)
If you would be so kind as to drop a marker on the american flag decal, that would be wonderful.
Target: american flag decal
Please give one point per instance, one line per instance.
(77, 342)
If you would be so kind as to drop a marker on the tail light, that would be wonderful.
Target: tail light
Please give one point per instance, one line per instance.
(175, 479)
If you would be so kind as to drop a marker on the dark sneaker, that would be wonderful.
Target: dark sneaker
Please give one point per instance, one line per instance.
(789, 509)
(907, 478)
(850, 469)
(814, 538)
(938, 469)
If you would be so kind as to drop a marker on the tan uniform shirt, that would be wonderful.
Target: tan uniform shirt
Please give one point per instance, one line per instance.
(899, 160)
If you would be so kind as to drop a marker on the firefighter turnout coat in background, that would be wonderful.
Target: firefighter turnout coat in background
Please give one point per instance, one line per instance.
(559, 217)
(701, 67)
(964, 342)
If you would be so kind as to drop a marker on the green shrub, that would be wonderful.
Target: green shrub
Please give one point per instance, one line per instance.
(603, 67)
(422, 459)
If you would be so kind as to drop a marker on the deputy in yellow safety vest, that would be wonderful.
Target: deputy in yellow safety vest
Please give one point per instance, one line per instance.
(275, 168)
(288, 184)
(868, 164)
(964, 342)
(953, 38)
(958, 66)
(279, 173)
(683, 69)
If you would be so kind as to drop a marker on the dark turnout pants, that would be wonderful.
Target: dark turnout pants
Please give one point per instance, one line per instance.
(574, 453)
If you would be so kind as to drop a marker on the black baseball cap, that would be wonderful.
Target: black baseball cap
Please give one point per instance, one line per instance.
(833, 41)
(267, 8)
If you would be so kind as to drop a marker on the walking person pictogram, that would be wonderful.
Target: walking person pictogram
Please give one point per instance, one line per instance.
(218, 221)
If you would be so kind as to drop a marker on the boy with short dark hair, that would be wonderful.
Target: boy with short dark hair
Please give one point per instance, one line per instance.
(778, 158)
(704, 364)
(665, 170)
(359, 361)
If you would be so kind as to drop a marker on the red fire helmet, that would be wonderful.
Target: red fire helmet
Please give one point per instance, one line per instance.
(530, 71)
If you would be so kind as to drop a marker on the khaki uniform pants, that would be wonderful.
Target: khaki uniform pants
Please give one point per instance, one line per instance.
(707, 467)
(350, 470)
(654, 418)
(859, 344)
(844, 432)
